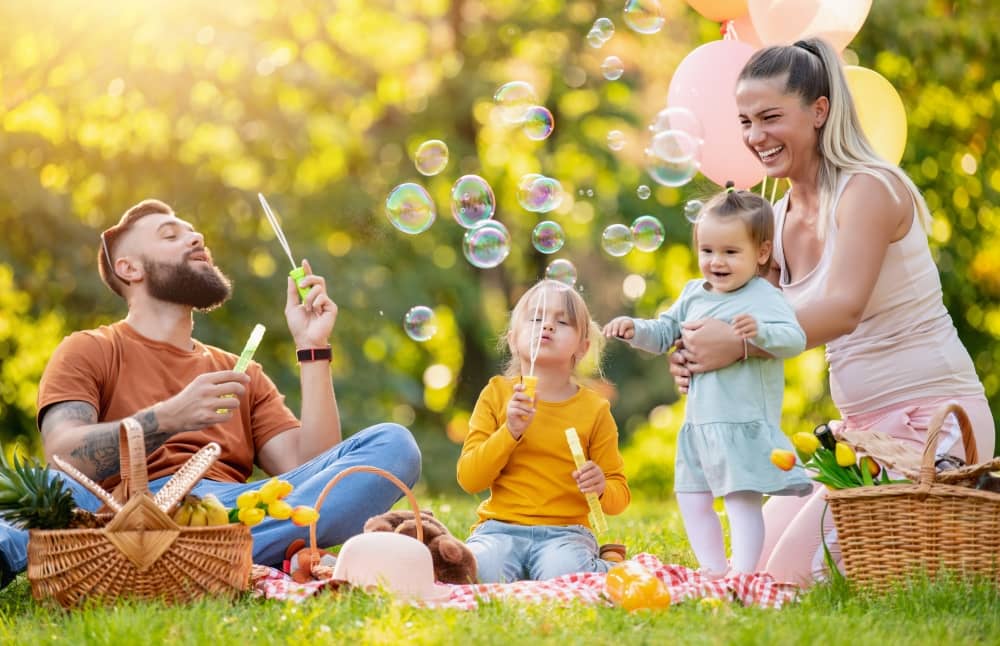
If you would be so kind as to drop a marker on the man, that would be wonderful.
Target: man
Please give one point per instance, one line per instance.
(185, 394)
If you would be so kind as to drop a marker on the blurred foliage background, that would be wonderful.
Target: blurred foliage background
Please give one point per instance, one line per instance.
(320, 106)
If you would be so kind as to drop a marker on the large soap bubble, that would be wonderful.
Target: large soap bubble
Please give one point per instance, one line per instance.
(431, 157)
(539, 194)
(513, 99)
(617, 239)
(647, 233)
(410, 208)
(420, 323)
(472, 200)
(669, 173)
(548, 236)
(487, 244)
(538, 123)
(644, 16)
(561, 270)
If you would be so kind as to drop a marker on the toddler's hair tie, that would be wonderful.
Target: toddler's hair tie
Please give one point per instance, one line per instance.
(730, 186)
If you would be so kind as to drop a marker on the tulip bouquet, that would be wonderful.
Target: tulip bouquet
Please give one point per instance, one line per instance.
(833, 463)
(269, 500)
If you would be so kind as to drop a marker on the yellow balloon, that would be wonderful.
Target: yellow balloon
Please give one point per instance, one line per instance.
(720, 10)
(880, 110)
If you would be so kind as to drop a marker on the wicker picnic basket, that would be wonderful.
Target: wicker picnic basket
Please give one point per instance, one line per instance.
(888, 532)
(141, 553)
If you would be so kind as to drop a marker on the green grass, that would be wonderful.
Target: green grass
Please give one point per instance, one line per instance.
(922, 613)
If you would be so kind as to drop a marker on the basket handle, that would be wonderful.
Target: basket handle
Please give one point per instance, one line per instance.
(927, 469)
(361, 468)
(132, 452)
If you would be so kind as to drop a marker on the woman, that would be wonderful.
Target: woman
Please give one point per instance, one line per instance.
(853, 260)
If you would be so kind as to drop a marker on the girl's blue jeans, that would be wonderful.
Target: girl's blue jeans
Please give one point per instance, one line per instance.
(349, 504)
(506, 552)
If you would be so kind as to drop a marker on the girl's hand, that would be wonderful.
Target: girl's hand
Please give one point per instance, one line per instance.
(622, 327)
(745, 325)
(590, 478)
(520, 412)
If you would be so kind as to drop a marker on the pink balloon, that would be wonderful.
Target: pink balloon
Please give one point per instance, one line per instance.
(782, 22)
(705, 84)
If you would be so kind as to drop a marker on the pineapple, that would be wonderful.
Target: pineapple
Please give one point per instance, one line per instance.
(31, 499)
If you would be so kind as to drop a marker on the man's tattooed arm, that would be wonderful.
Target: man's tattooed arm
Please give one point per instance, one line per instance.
(96, 452)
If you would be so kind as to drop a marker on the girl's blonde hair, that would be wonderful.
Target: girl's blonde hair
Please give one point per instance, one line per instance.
(559, 296)
(753, 210)
(813, 70)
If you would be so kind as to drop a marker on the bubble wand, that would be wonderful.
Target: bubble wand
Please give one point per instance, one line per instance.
(297, 272)
(248, 350)
(596, 515)
(537, 323)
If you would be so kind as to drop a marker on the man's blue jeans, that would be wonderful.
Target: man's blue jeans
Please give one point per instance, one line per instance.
(349, 504)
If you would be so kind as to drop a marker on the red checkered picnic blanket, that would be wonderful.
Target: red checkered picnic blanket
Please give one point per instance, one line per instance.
(684, 583)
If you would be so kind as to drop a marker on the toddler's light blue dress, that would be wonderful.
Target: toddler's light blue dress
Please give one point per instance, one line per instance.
(733, 415)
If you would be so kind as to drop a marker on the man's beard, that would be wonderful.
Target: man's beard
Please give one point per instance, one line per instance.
(180, 283)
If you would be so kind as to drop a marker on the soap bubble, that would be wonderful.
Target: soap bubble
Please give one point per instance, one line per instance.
(676, 146)
(612, 68)
(410, 208)
(644, 16)
(513, 99)
(431, 157)
(604, 27)
(594, 39)
(643, 192)
(487, 244)
(691, 210)
(538, 123)
(668, 173)
(647, 233)
(548, 236)
(539, 194)
(420, 323)
(561, 270)
(679, 118)
(616, 140)
(472, 200)
(617, 240)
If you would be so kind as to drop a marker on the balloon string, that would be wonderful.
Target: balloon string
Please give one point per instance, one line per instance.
(763, 186)
(537, 323)
(731, 31)
(278, 233)
(774, 189)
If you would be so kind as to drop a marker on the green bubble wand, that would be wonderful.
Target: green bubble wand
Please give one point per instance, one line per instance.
(596, 515)
(243, 362)
(297, 272)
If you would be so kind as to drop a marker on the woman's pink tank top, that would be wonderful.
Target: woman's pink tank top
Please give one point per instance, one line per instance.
(906, 346)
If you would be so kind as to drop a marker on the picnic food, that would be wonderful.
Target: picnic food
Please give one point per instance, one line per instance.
(32, 498)
(633, 587)
(201, 512)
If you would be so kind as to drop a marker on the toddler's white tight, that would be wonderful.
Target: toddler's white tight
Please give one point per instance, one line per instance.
(746, 523)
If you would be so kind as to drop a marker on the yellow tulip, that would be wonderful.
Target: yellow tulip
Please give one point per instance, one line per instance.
(873, 467)
(279, 509)
(304, 515)
(250, 516)
(807, 443)
(248, 499)
(284, 488)
(845, 455)
(783, 459)
(271, 491)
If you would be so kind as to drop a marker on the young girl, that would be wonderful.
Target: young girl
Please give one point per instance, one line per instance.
(534, 525)
(732, 416)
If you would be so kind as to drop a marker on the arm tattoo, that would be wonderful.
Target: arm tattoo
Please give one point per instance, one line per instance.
(99, 447)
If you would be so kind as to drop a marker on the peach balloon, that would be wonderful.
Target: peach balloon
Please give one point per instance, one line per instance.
(705, 84)
(720, 10)
(782, 22)
(880, 110)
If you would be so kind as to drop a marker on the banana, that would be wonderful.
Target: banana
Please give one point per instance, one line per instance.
(199, 516)
(216, 513)
(183, 515)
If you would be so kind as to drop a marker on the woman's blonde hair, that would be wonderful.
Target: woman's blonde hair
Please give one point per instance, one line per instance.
(812, 70)
(558, 296)
(753, 210)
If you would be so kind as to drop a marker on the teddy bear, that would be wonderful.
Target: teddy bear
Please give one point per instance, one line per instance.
(305, 563)
(454, 562)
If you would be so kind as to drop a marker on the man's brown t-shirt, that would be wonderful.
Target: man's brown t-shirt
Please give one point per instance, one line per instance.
(120, 372)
